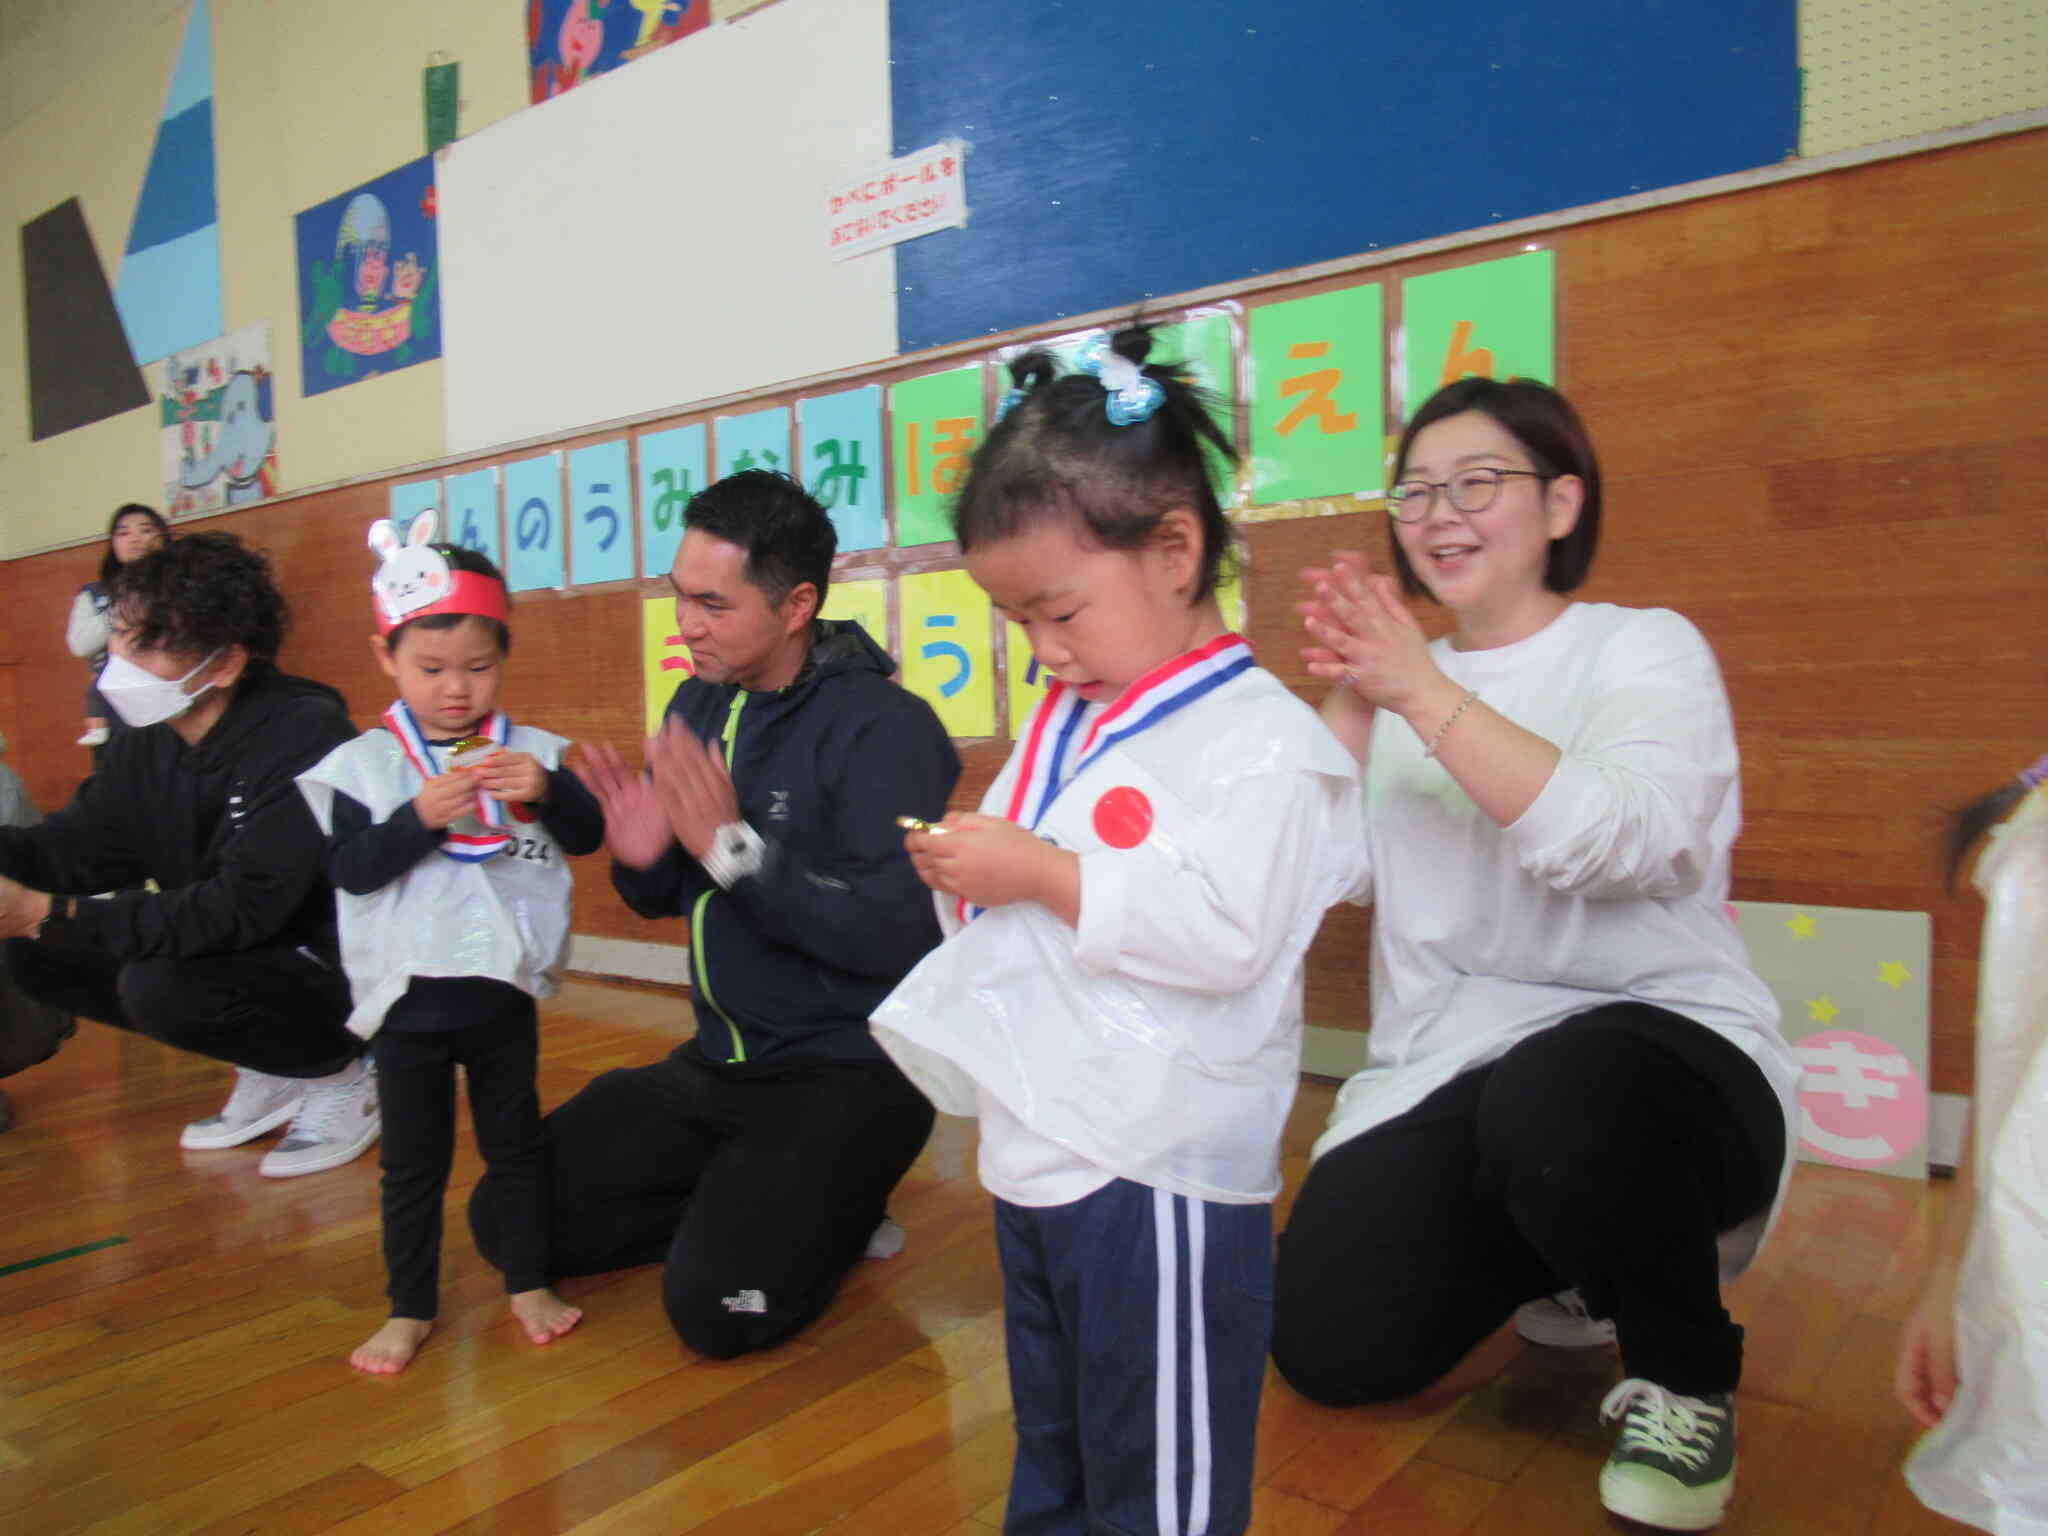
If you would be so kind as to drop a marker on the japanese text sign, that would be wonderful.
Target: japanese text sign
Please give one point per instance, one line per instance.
(946, 656)
(1317, 403)
(671, 472)
(601, 512)
(935, 426)
(842, 454)
(1494, 318)
(907, 197)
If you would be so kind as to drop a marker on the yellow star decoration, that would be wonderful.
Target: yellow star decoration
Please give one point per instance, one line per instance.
(1801, 925)
(1821, 1010)
(1893, 974)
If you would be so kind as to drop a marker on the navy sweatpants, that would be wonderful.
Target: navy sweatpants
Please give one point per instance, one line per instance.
(1138, 1324)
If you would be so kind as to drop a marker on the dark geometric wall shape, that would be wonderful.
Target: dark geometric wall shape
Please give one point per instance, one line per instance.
(79, 367)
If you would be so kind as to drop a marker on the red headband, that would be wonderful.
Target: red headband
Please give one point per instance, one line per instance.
(469, 592)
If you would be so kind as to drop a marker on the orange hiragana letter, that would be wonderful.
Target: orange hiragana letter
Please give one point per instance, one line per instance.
(1464, 358)
(1319, 387)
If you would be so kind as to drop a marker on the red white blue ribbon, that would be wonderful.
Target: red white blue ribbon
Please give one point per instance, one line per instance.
(467, 847)
(1061, 739)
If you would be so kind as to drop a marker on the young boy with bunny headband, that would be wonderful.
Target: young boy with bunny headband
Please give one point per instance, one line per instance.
(446, 829)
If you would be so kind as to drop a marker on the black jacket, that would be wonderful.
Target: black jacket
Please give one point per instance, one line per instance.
(220, 827)
(790, 962)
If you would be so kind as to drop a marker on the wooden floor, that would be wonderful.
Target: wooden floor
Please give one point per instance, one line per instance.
(191, 1376)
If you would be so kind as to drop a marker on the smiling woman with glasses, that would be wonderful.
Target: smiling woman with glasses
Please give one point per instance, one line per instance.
(1575, 1095)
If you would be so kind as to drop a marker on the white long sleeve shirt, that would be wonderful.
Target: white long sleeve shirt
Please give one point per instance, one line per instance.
(1160, 1040)
(1611, 887)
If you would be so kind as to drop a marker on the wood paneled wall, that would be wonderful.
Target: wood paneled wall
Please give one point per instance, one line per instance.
(1817, 407)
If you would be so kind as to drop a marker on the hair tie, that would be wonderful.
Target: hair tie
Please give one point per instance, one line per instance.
(1133, 394)
(1012, 398)
(2034, 776)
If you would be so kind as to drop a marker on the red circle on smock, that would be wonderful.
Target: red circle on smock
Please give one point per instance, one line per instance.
(1123, 817)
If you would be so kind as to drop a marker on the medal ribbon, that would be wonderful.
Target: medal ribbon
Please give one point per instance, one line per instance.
(1051, 758)
(465, 847)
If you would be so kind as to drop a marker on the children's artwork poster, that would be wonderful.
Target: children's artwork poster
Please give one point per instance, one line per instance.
(369, 280)
(1318, 405)
(1852, 989)
(935, 427)
(472, 503)
(946, 655)
(408, 501)
(533, 523)
(757, 440)
(217, 423)
(601, 512)
(865, 602)
(671, 472)
(1497, 319)
(664, 659)
(842, 455)
(569, 41)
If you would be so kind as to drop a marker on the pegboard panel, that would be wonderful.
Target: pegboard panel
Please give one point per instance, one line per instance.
(1887, 69)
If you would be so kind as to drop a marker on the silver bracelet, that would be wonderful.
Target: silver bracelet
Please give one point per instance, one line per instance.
(1438, 739)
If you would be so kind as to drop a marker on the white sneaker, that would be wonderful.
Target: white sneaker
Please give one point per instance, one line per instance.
(1562, 1322)
(98, 736)
(259, 1103)
(337, 1124)
(887, 1239)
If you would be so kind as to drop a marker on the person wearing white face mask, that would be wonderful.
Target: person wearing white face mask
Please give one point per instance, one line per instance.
(220, 937)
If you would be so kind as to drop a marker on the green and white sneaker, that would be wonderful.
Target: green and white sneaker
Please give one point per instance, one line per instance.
(1674, 1464)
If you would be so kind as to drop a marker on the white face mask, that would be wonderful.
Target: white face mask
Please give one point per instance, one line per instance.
(140, 697)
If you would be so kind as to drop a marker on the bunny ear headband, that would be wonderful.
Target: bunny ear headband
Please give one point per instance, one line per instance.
(415, 579)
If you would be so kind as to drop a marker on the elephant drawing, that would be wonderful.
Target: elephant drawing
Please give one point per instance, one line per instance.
(243, 446)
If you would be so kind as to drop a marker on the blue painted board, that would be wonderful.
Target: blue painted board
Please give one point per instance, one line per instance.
(671, 472)
(1155, 146)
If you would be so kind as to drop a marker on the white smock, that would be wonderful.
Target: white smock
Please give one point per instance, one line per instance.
(1612, 887)
(505, 918)
(1160, 1041)
(1986, 1462)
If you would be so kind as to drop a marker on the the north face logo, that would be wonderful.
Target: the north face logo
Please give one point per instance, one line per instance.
(746, 1301)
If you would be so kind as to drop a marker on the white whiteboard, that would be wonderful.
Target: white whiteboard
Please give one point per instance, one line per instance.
(653, 237)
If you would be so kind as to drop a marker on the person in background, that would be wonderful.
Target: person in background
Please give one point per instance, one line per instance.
(1973, 1358)
(30, 1031)
(755, 1162)
(1119, 1000)
(219, 935)
(1574, 1081)
(447, 827)
(132, 532)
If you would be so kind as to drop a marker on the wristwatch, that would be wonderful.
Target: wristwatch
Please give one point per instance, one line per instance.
(736, 852)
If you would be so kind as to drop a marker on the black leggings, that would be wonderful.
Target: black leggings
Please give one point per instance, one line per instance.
(1605, 1153)
(758, 1186)
(491, 1031)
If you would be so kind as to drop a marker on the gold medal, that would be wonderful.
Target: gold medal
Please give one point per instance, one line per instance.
(473, 748)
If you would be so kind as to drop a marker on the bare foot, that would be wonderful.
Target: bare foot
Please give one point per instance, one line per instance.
(544, 1315)
(391, 1348)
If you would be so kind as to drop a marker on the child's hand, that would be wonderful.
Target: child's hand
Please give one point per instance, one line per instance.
(445, 799)
(990, 861)
(512, 776)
